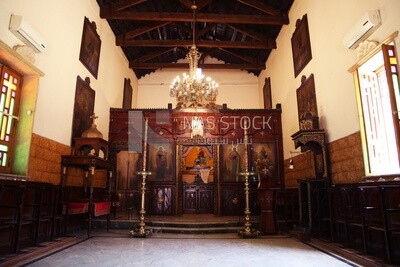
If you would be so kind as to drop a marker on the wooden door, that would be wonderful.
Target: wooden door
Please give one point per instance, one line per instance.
(198, 199)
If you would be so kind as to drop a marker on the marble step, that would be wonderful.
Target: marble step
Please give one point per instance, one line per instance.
(176, 227)
(195, 230)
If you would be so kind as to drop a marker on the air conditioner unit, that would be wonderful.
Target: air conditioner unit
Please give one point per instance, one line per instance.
(369, 22)
(25, 32)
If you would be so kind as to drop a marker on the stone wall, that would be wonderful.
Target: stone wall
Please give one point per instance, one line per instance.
(45, 163)
(45, 159)
(345, 160)
(303, 168)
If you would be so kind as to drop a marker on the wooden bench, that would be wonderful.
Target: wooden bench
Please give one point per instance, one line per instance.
(366, 217)
(391, 210)
(11, 196)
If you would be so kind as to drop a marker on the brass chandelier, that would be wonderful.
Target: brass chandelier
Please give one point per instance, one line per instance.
(194, 90)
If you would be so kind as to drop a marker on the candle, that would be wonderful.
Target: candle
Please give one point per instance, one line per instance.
(145, 144)
(246, 160)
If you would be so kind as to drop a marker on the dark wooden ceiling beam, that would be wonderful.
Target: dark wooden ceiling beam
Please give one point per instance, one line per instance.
(184, 28)
(152, 55)
(203, 3)
(255, 35)
(200, 43)
(140, 31)
(200, 4)
(261, 6)
(205, 30)
(188, 4)
(248, 59)
(123, 4)
(135, 65)
(205, 53)
(106, 13)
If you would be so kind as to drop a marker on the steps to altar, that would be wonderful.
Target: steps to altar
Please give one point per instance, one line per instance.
(185, 224)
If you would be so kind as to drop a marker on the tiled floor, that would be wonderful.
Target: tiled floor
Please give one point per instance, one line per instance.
(117, 248)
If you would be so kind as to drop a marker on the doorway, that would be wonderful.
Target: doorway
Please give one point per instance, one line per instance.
(197, 174)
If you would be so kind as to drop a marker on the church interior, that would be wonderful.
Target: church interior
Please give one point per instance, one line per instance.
(201, 133)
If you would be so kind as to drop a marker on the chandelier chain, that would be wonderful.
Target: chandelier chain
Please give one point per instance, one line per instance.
(194, 90)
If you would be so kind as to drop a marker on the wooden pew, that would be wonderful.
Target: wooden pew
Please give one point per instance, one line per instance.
(11, 196)
(391, 210)
(366, 217)
(337, 208)
(373, 220)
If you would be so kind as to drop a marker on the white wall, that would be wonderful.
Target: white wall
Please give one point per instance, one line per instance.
(328, 22)
(238, 89)
(60, 23)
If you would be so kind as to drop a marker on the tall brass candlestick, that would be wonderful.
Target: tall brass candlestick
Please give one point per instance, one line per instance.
(246, 145)
(146, 126)
(141, 230)
(247, 231)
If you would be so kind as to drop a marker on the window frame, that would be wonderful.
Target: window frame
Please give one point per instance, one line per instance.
(354, 71)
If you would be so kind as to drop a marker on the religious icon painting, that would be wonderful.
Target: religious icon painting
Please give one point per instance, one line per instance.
(83, 107)
(160, 161)
(90, 47)
(301, 46)
(233, 162)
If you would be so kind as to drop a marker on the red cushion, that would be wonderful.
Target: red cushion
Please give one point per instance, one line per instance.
(101, 208)
(78, 207)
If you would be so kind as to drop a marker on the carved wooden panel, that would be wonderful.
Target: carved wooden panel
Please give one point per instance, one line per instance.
(232, 200)
(198, 199)
(205, 200)
(189, 199)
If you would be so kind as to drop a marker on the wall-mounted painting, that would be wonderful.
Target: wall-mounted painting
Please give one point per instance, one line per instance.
(301, 46)
(90, 47)
(307, 104)
(127, 166)
(160, 161)
(127, 96)
(198, 162)
(83, 107)
(232, 162)
(267, 93)
(263, 160)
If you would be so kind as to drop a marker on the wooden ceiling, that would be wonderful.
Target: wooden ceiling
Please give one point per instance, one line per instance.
(155, 34)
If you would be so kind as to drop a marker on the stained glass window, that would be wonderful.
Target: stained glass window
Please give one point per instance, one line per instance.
(9, 101)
